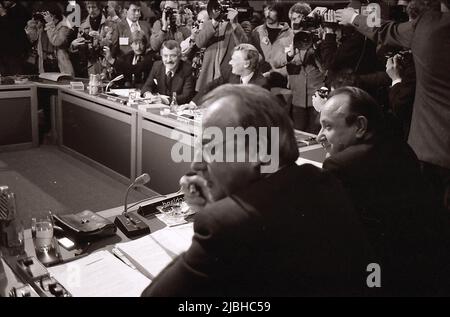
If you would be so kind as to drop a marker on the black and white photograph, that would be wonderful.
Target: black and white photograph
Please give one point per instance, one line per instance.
(221, 154)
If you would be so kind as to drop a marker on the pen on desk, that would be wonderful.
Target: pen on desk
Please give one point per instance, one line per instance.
(122, 257)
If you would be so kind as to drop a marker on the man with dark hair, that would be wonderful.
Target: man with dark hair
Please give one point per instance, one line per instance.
(427, 37)
(271, 39)
(382, 176)
(132, 24)
(170, 75)
(259, 232)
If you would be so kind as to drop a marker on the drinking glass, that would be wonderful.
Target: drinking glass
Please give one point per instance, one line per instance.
(42, 233)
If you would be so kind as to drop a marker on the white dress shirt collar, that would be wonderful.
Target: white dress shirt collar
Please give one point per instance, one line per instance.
(246, 79)
(130, 23)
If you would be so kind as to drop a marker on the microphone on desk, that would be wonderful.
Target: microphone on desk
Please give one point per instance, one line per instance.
(120, 77)
(129, 223)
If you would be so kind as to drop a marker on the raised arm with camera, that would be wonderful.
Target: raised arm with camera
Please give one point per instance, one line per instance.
(170, 26)
(219, 40)
(427, 36)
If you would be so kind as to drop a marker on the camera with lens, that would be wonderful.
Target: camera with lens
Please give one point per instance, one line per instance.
(305, 39)
(405, 59)
(223, 7)
(323, 92)
(39, 16)
(170, 14)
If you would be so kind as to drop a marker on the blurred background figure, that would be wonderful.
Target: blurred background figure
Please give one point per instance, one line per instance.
(135, 65)
(218, 36)
(171, 26)
(59, 32)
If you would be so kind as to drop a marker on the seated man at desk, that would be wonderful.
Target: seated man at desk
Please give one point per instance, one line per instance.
(264, 226)
(170, 75)
(134, 65)
(244, 70)
(381, 173)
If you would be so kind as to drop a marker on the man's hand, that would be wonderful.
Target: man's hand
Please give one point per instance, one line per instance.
(393, 68)
(108, 55)
(318, 102)
(47, 17)
(232, 14)
(196, 192)
(164, 21)
(190, 106)
(78, 42)
(345, 16)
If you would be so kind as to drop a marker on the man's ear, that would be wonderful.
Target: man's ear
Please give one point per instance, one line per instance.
(361, 126)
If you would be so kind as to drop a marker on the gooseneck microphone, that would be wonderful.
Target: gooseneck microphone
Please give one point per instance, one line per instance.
(120, 77)
(130, 223)
(139, 181)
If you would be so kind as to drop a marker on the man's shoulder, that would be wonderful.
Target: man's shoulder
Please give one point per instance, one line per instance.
(185, 68)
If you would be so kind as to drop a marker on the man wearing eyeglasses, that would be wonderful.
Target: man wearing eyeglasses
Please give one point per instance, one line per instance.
(261, 232)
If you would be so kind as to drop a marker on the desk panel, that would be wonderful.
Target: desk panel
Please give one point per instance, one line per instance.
(18, 117)
(102, 134)
(155, 143)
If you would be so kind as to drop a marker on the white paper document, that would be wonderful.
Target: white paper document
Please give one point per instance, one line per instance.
(100, 274)
(154, 252)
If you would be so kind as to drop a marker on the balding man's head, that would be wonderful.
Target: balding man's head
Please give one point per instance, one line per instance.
(245, 135)
(350, 116)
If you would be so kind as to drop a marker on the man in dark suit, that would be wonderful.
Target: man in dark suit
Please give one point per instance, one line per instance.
(170, 75)
(281, 231)
(382, 175)
(427, 37)
(135, 65)
(130, 25)
(244, 70)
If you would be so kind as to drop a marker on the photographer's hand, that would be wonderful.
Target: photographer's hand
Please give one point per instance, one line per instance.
(47, 17)
(393, 69)
(78, 42)
(108, 55)
(345, 16)
(164, 21)
(232, 15)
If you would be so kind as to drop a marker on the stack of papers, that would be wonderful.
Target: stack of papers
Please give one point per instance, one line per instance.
(100, 274)
(154, 252)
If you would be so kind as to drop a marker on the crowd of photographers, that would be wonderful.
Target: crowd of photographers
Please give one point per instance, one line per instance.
(304, 51)
(301, 49)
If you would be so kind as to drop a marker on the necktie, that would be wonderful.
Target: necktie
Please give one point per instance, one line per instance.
(137, 59)
(134, 27)
(169, 82)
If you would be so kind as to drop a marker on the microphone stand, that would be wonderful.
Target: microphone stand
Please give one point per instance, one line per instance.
(120, 77)
(130, 224)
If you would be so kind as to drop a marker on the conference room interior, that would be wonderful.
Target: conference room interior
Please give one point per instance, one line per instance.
(93, 118)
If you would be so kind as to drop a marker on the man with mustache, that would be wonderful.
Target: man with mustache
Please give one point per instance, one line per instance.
(170, 75)
(271, 39)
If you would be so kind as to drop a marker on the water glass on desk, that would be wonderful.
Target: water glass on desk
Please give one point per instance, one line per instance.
(42, 233)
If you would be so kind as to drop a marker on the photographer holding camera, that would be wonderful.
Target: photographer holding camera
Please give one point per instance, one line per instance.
(218, 36)
(94, 33)
(59, 32)
(169, 27)
(304, 68)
